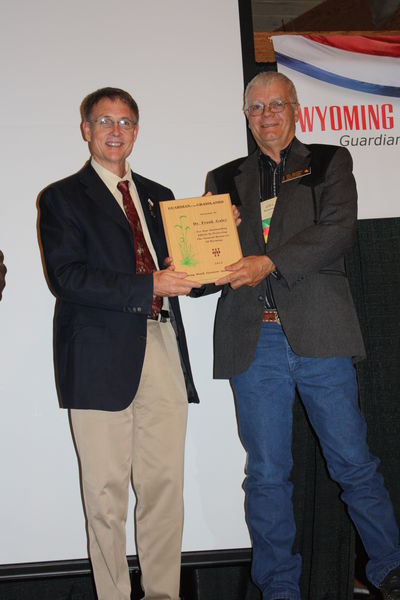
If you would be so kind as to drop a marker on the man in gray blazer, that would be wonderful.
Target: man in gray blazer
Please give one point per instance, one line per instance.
(286, 320)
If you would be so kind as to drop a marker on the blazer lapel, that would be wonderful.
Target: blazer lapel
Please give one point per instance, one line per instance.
(101, 196)
(299, 159)
(152, 215)
(247, 185)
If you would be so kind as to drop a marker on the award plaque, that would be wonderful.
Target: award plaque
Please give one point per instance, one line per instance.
(201, 236)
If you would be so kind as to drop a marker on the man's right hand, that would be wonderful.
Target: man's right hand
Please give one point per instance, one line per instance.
(3, 272)
(249, 270)
(172, 283)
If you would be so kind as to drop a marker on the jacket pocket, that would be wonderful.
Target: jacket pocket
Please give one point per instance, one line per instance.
(332, 272)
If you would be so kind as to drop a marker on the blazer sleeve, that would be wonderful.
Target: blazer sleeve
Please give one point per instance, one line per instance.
(78, 268)
(322, 243)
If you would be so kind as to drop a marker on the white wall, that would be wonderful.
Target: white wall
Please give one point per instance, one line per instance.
(181, 60)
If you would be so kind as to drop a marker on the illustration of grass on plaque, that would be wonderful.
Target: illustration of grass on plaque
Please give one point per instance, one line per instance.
(201, 235)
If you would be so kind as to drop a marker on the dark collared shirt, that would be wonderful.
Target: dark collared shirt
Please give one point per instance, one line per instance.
(270, 179)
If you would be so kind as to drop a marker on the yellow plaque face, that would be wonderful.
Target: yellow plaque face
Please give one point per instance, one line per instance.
(201, 236)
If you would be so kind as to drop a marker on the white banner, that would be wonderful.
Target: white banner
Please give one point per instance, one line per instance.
(348, 88)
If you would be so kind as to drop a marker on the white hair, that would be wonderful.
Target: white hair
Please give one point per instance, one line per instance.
(266, 78)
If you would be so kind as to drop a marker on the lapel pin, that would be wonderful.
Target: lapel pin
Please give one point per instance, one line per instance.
(296, 174)
(151, 208)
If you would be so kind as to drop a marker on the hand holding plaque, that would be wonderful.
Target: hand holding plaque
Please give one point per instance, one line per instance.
(201, 236)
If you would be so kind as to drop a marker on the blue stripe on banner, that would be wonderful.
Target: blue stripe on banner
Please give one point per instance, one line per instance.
(346, 82)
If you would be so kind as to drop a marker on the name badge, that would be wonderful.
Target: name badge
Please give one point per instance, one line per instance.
(296, 174)
(267, 209)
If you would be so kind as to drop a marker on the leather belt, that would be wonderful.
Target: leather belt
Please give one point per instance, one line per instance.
(162, 317)
(271, 316)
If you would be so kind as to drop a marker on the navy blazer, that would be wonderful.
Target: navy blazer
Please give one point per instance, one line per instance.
(102, 304)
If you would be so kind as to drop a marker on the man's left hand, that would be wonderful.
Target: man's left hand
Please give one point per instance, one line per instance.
(235, 211)
(250, 270)
(236, 215)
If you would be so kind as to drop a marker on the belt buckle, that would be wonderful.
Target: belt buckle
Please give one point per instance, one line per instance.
(161, 317)
(271, 316)
(164, 316)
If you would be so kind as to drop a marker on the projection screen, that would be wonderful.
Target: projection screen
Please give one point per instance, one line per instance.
(181, 60)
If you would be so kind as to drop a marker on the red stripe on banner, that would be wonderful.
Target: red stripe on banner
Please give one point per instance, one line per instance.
(388, 45)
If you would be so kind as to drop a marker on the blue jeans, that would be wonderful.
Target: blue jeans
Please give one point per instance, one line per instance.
(328, 389)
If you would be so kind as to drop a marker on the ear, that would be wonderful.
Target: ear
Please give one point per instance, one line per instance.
(296, 113)
(86, 131)
(135, 133)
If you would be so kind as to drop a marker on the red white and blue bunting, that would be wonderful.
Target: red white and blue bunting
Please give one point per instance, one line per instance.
(349, 92)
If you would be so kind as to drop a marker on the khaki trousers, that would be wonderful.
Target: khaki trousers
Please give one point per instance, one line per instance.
(146, 442)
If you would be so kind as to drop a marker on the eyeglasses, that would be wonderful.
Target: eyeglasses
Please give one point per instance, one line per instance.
(108, 123)
(275, 106)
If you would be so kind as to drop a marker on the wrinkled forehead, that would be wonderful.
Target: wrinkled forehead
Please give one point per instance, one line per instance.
(112, 107)
(276, 90)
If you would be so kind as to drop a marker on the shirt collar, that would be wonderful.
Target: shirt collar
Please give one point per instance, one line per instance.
(109, 178)
(267, 160)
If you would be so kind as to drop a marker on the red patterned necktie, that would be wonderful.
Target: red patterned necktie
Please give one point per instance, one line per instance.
(144, 260)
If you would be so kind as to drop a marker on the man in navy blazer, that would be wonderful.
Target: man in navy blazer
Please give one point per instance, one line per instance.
(286, 320)
(122, 365)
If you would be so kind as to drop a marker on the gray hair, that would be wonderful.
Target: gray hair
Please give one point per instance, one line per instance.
(266, 78)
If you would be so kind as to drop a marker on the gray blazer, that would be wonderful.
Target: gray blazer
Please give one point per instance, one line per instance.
(313, 226)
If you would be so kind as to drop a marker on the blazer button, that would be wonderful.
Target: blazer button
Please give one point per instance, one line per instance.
(261, 298)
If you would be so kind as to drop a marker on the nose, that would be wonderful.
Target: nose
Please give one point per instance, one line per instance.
(267, 110)
(115, 128)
